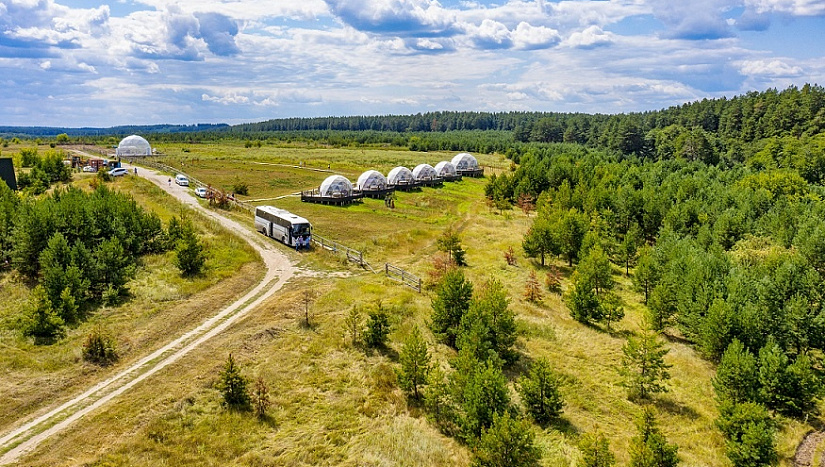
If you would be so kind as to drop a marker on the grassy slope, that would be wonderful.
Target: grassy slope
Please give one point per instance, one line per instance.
(334, 404)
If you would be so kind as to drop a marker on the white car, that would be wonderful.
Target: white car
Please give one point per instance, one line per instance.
(118, 172)
(89, 168)
(181, 180)
(200, 191)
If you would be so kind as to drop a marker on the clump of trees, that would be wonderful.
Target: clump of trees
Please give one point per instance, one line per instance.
(80, 249)
(471, 400)
(45, 170)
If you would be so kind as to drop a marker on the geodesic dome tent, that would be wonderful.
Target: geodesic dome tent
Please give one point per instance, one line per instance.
(371, 180)
(400, 176)
(336, 186)
(423, 172)
(464, 161)
(445, 169)
(134, 146)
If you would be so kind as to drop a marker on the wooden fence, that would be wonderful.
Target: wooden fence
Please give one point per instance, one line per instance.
(397, 274)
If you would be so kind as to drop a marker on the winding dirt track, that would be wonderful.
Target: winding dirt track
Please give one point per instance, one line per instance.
(279, 270)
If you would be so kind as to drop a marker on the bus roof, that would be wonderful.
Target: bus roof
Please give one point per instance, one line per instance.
(284, 214)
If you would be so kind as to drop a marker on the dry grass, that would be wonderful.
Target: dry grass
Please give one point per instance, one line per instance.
(338, 405)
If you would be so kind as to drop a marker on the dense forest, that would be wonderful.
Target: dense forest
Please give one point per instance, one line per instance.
(716, 211)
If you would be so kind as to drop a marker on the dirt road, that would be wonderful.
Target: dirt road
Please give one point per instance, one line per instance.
(279, 270)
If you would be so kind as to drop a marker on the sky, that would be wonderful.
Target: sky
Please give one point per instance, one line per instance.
(80, 63)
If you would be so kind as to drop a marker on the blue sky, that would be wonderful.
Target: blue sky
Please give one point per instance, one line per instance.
(86, 63)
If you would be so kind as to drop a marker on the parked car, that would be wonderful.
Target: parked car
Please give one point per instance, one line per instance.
(89, 168)
(118, 172)
(181, 180)
(200, 191)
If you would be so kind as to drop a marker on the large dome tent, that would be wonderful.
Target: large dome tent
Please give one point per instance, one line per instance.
(464, 161)
(336, 186)
(445, 169)
(423, 172)
(134, 145)
(371, 180)
(400, 176)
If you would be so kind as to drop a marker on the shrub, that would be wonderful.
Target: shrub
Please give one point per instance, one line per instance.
(100, 348)
(507, 443)
(539, 391)
(378, 327)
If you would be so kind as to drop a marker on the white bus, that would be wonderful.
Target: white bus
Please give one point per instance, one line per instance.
(282, 225)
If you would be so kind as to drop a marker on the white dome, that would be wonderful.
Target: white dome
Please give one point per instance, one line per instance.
(465, 161)
(134, 146)
(372, 180)
(445, 169)
(424, 172)
(336, 186)
(399, 175)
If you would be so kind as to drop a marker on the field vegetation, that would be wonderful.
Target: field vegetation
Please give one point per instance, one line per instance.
(683, 244)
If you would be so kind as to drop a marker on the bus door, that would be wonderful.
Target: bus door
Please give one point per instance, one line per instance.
(270, 230)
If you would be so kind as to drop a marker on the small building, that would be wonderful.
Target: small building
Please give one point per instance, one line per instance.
(373, 184)
(445, 170)
(466, 164)
(335, 189)
(401, 178)
(132, 146)
(424, 174)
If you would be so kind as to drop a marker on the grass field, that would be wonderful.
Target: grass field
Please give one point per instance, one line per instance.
(335, 404)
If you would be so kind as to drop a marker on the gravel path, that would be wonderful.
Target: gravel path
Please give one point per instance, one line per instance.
(279, 270)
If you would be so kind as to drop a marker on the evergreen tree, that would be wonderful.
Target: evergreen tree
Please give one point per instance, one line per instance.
(736, 377)
(649, 448)
(643, 364)
(507, 443)
(40, 320)
(233, 386)
(378, 327)
(450, 242)
(539, 241)
(595, 450)
(452, 300)
(750, 434)
(539, 391)
(415, 364)
(189, 254)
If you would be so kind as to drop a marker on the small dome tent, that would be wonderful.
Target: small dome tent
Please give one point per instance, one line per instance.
(465, 161)
(445, 169)
(336, 186)
(400, 176)
(423, 172)
(134, 146)
(371, 180)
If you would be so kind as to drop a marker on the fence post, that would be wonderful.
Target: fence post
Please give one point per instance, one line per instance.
(419, 285)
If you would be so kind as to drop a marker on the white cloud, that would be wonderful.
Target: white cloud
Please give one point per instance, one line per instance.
(794, 7)
(773, 68)
(590, 37)
(529, 37)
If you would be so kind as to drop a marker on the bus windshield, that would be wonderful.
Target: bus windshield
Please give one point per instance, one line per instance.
(300, 229)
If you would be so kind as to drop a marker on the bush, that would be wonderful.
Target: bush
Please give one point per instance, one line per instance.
(239, 187)
(189, 255)
(100, 348)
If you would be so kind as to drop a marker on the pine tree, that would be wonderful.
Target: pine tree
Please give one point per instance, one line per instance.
(507, 443)
(378, 327)
(415, 364)
(260, 398)
(189, 254)
(233, 386)
(452, 300)
(539, 391)
(649, 448)
(736, 377)
(532, 289)
(643, 365)
(595, 450)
